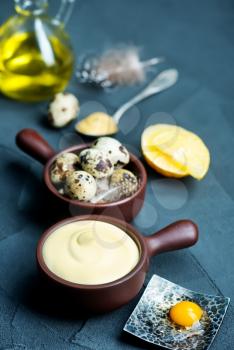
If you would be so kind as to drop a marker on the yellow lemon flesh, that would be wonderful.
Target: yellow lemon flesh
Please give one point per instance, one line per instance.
(97, 124)
(174, 151)
(185, 313)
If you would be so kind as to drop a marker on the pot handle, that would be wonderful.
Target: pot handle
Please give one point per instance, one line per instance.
(32, 143)
(179, 235)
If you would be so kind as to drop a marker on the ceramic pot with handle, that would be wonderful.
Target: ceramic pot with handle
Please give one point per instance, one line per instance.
(34, 145)
(109, 296)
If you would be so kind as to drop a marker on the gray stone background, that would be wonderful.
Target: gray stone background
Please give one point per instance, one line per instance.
(196, 37)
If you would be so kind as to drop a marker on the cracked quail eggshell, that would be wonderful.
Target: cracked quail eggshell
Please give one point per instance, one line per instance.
(63, 109)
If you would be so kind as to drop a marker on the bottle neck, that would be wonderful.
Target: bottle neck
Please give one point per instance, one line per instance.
(31, 7)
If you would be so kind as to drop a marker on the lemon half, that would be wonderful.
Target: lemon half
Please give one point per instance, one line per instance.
(174, 151)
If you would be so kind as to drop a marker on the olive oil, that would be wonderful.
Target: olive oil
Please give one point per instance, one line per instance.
(34, 68)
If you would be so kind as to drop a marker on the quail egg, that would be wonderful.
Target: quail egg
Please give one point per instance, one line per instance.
(63, 164)
(115, 151)
(125, 180)
(96, 163)
(80, 185)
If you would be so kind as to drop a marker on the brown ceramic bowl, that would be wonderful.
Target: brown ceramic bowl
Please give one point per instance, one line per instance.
(109, 296)
(33, 144)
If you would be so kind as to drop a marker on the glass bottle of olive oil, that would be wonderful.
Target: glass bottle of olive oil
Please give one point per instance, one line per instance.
(36, 59)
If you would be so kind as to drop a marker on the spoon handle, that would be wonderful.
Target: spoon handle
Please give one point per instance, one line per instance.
(163, 81)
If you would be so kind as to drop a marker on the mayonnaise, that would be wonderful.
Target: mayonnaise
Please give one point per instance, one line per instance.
(90, 252)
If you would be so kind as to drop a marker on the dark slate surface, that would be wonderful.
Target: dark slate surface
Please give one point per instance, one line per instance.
(197, 38)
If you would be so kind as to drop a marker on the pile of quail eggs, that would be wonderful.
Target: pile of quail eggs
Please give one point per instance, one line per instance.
(96, 174)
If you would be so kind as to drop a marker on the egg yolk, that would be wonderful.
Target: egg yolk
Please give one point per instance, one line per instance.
(185, 313)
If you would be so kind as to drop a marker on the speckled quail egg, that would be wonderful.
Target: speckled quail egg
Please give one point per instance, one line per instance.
(63, 109)
(63, 164)
(80, 185)
(115, 151)
(96, 163)
(125, 180)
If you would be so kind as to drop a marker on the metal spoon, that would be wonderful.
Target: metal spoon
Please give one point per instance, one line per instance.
(161, 82)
